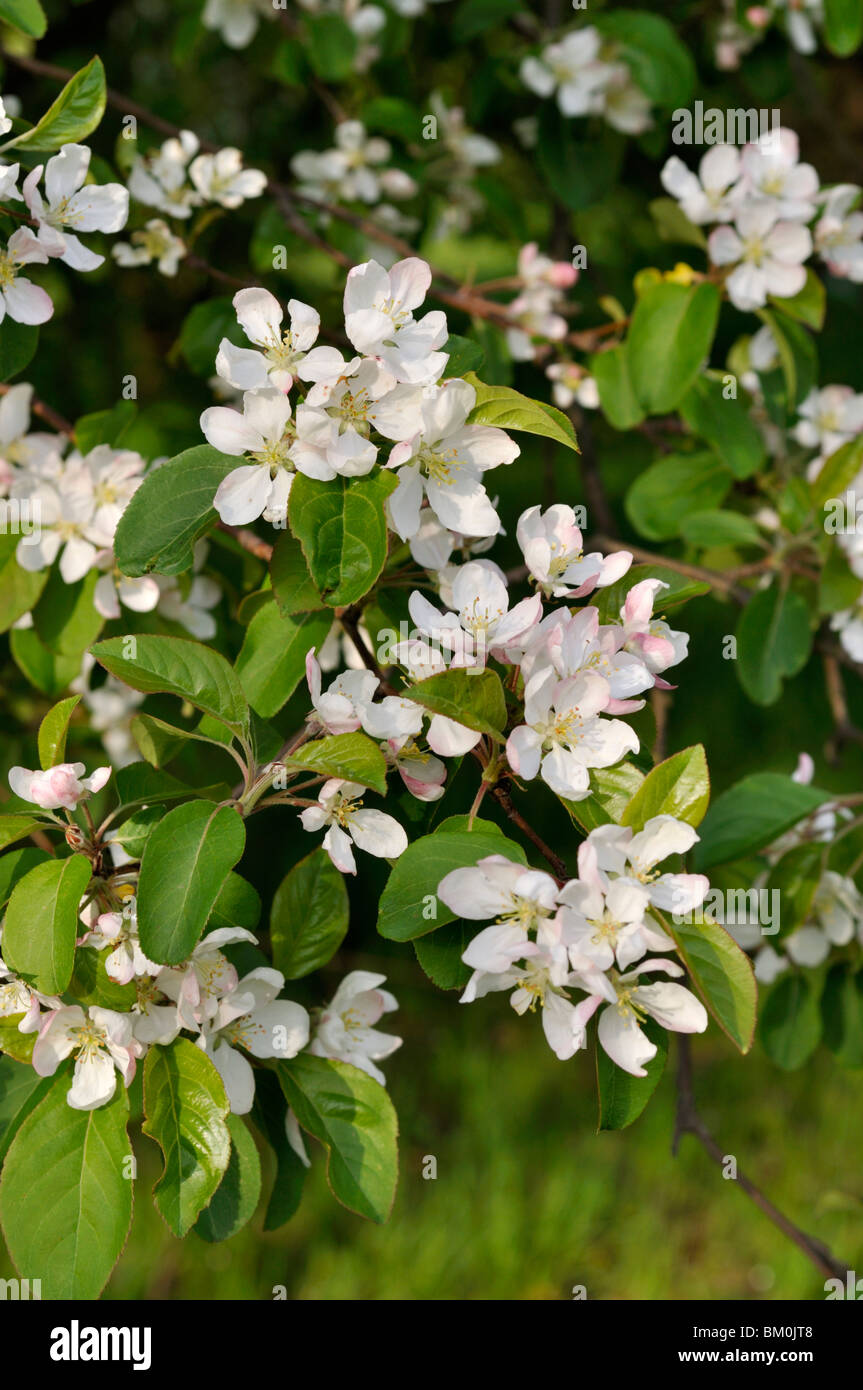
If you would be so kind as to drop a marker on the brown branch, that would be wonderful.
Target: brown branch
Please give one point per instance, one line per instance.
(689, 1121)
(504, 800)
(711, 577)
(844, 730)
(48, 414)
(262, 550)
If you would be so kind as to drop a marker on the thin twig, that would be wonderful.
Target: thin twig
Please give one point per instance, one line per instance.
(689, 1121)
(504, 800)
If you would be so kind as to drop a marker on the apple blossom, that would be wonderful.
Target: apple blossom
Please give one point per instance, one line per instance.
(379, 319)
(553, 549)
(564, 735)
(60, 786)
(710, 195)
(771, 172)
(278, 355)
(346, 1028)
(73, 206)
(198, 984)
(21, 300)
(220, 178)
(483, 624)
(672, 1006)
(251, 1017)
(153, 242)
(101, 1040)
(340, 809)
(767, 255)
(445, 460)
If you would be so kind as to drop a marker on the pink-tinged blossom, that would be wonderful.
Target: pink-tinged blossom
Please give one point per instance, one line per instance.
(564, 735)
(622, 854)
(101, 1041)
(198, 984)
(650, 638)
(340, 708)
(553, 549)
(60, 786)
(252, 1019)
(346, 1029)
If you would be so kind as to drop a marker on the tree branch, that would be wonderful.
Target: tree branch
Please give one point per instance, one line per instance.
(689, 1121)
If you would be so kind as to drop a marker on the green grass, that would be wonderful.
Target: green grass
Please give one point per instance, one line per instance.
(529, 1201)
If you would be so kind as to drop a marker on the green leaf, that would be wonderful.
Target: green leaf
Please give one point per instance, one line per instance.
(506, 409)
(670, 335)
(268, 1113)
(19, 588)
(65, 1199)
(838, 587)
(14, 866)
(238, 905)
(673, 225)
(623, 1097)
(611, 790)
(141, 785)
(342, 528)
(309, 916)
(476, 16)
(352, 757)
(236, 1197)
(842, 1014)
(681, 589)
(808, 305)
(21, 1090)
(186, 1109)
(15, 1044)
(158, 741)
(90, 983)
(42, 923)
(838, 472)
(53, 731)
(134, 833)
(203, 329)
(774, 640)
(719, 528)
(671, 489)
(170, 511)
(66, 619)
(26, 15)
(49, 673)
(790, 1025)
(18, 344)
(798, 367)
(104, 426)
(578, 171)
(293, 586)
(472, 696)
(189, 670)
(678, 787)
(725, 424)
(409, 906)
(186, 861)
(661, 65)
(272, 659)
(464, 356)
(751, 815)
(331, 46)
(353, 1117)
(440, 954)
(843, 26)
(14, 828)
(610, 371)
(722, 974)
(74, 115)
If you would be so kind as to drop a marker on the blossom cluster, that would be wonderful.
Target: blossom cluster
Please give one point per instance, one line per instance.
(178, 179)
(58, 211)
(764, 200)
(590, 935)
(587, 77)
(227, 1016)
(835, 914)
